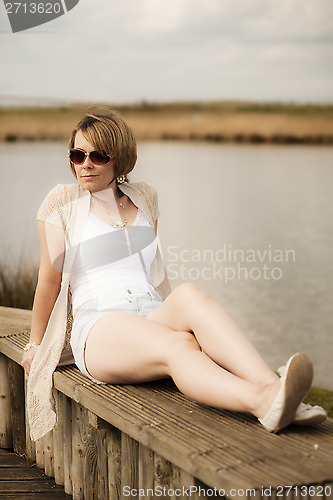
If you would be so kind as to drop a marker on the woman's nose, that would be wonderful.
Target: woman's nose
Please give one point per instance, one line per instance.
(87, 162)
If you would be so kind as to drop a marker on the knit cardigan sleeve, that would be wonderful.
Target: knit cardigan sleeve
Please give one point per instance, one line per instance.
(151, 196)
(50, 209)
(55, 206)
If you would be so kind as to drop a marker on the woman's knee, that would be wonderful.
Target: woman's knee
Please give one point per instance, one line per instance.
(189, 294)
(181, 342)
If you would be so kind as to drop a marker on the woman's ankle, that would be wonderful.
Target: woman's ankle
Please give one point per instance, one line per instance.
(265, 397)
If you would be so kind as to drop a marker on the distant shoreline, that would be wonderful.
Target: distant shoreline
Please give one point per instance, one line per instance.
(258, 123)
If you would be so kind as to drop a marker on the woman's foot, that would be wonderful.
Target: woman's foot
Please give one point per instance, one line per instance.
(306, 414)
(293, 386)
(309, 415)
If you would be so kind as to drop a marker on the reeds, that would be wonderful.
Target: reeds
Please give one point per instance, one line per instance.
(18, 283)
(218, 122)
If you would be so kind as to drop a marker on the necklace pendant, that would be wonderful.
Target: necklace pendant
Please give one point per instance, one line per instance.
(119, 224)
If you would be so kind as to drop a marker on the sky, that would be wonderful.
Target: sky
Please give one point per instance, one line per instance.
(174, 50)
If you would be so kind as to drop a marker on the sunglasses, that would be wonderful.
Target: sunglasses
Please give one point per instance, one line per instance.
(78, 156)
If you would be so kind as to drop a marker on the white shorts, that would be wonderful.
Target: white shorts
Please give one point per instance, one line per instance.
(131, 300)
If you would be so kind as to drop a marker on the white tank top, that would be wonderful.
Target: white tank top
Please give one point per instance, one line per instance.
(109, 259)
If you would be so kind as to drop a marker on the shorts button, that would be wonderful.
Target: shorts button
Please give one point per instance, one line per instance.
(129, 291)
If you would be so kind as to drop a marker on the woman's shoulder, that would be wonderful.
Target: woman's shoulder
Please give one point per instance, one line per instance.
(150, 195)
(144, 188)
(59, 196)
(61, 193)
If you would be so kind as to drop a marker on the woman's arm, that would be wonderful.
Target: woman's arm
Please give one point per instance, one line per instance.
(47, 291)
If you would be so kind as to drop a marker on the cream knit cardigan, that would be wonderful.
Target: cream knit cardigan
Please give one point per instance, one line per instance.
(67, 206)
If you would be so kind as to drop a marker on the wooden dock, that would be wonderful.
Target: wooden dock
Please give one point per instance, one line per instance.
(111, 442)
(21, 479)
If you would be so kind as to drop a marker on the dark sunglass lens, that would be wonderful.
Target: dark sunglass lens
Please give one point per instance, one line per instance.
(76, 156)
(98, 158)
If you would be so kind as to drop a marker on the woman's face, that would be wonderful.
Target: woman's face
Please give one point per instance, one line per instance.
(92, 177)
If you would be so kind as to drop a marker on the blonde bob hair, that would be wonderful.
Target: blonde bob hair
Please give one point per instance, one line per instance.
(108, 132)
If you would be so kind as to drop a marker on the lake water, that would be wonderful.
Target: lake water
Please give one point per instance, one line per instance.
(252, 225)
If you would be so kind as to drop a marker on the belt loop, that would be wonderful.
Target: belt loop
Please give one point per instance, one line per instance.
(129, 295)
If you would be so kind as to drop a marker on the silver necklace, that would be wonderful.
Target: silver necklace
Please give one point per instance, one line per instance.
(118, 224)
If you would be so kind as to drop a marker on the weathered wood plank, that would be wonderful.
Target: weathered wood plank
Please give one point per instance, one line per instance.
(9, 349)
(102, 453)
(6, 432)
(187, 483)
(129, 464)
(33, 486)
(18, 480)
(49, 454)
(146, 468)
(58, 439)
(30, 445)
(163, 475)
(114, 462)
(51, 495)
(77, 469)
(67, 429)
(21, 473)
(89, 439)
(40, 459)
(14, 320)
(10, 459)
(17, 398)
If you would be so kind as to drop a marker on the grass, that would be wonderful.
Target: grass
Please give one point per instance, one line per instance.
(17, 284)
(321, 397)
(242, 122)
(17, 288)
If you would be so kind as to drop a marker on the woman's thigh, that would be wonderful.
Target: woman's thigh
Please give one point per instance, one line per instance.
(178, 309)
(127, 348)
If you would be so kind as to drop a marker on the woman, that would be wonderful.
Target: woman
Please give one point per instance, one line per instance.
(101, 263)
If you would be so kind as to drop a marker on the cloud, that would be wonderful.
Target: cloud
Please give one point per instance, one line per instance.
(176, 49)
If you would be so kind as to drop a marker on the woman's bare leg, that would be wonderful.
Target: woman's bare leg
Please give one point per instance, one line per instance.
(126, 348)
(189, 308)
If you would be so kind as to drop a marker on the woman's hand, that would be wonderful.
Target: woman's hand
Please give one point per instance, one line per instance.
(27, 359)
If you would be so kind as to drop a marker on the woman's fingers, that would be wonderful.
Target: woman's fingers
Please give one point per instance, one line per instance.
(28, 359)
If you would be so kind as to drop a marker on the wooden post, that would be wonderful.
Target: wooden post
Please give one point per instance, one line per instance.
(164, 474)
(186, 480)
(113, 440)
(102, 453)
(49, 453)
(17, 401)
(89, 438)
(77, 475)
(40, 460)
(67, 437)
(129, 462)
(146, 467)
(58, 440)
(30, 447)
(6, 433)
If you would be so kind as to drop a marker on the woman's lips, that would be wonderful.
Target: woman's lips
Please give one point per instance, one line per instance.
(89, 176)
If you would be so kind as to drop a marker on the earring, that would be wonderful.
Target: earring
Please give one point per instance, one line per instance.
(121, 179)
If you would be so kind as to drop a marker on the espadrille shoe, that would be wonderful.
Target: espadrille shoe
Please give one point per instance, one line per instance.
(307, 414)
(295, 383)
